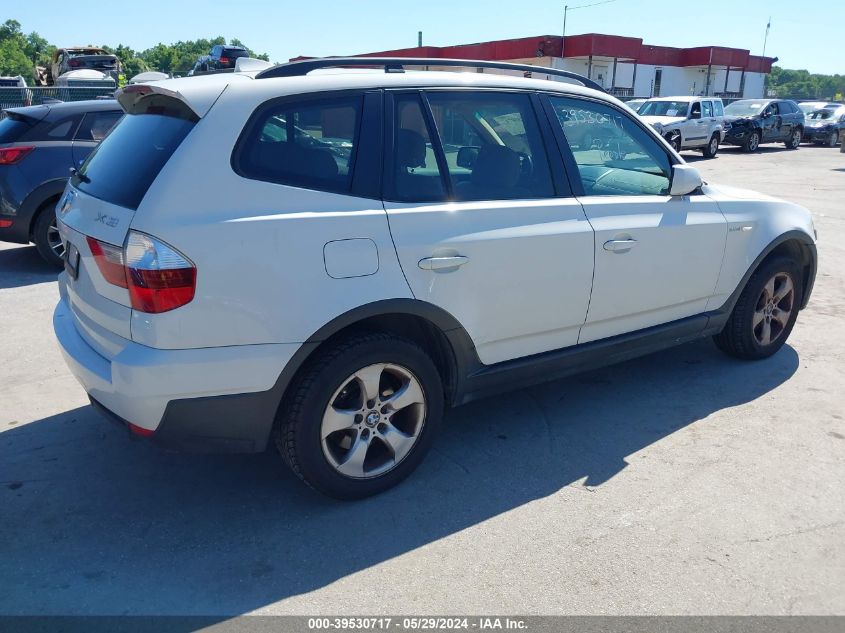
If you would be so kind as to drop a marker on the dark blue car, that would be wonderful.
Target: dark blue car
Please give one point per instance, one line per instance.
(38, 147)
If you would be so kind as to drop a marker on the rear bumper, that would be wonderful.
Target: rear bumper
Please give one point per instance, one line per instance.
(815, 135)
(219, 399)
(17, 233)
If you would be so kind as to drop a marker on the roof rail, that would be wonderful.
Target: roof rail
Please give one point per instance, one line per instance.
(397, 65)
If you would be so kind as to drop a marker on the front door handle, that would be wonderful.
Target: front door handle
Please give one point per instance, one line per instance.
(619, 246)
(441, 263)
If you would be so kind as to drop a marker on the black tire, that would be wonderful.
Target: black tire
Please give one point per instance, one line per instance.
(794, 139)
(43, 235)
(738, 338)
(752, 143)
(833, 139)
(674, 140)
(712, 148)
(298, 428)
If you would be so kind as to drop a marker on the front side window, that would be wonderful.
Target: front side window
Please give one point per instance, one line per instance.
(303, 144)
(621, 158)
(492, 145)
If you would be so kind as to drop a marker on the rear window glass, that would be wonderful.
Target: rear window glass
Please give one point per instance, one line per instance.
(310, 145)
(125, 164)
(234, 52)
(11, 129)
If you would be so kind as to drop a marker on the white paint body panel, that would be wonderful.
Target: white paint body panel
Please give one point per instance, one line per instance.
(669, 273)
(768, 218)
(526, 284)
(276, 263)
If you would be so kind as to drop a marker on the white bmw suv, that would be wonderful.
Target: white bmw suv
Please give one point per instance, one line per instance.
(326, 260)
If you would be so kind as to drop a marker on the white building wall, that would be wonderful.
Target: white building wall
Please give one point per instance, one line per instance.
(754, 85)
(676, 81)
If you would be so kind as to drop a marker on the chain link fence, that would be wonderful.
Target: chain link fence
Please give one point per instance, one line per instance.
(16, 97)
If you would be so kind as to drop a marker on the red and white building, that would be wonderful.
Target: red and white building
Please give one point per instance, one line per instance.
(624, 66)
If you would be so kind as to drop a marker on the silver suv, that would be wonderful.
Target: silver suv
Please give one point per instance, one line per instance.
(687, 122)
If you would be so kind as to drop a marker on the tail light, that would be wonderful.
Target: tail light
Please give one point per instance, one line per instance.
(159, 278)
(109, 260)
(224, 60)
(12, 155)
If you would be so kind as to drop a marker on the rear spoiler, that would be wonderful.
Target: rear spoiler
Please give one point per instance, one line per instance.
(164, 97)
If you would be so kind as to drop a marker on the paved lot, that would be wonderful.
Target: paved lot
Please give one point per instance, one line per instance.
(684, 482)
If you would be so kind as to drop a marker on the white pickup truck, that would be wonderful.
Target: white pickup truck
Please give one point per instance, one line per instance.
(687, 122)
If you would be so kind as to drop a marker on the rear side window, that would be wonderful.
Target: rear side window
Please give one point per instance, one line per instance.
(416, 174)
(303, 144)
(95, 125)
(707, 107)
(720, 109)
(492, 146)
(123, 166)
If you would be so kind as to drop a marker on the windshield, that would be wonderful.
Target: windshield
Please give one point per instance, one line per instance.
(821, 114)
(745, 108)
(663, 108)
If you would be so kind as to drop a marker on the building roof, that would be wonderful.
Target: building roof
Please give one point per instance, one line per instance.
(596, 44)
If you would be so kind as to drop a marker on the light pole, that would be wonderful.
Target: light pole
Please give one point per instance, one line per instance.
(567, 9)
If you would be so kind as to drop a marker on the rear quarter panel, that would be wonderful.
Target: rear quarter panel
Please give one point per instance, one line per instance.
(258, 247)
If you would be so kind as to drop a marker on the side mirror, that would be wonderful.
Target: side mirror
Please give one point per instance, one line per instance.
(685, 180)
(767, 114)
(467, 156)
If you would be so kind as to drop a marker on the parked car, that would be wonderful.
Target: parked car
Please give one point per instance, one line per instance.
(220, 57)
(825, 126)
(334, 302)
(38, 147)
(808, 107)
(81, 58)
(751, 122)
(687, 122)
(635, 104)
(14, 92)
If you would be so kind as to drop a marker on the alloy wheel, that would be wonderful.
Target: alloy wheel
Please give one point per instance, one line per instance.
(796, 138)
(373, 421)
(54, 239)
(833, 141)
(714, 146)
(753, 142)
(774, 308)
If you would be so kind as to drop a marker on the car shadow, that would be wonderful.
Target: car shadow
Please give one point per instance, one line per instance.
(23, 266)
(94, 522)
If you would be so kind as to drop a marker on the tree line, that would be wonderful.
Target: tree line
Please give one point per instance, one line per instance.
(20, 53)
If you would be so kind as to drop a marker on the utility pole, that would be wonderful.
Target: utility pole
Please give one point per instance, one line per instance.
(766, 38)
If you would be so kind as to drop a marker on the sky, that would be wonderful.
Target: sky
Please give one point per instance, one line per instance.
(813, 39)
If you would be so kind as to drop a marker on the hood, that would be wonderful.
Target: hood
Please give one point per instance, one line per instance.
(741, 119)
(663, 120)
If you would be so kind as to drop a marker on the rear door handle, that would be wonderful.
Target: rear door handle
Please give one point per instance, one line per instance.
(439, 263)
(619, 246)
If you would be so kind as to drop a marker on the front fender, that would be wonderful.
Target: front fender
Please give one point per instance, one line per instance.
(757, 225)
